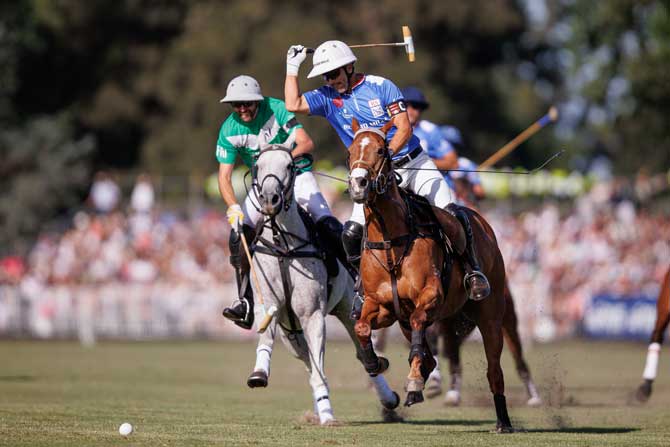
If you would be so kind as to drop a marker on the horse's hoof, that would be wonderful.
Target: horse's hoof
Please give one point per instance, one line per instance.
(413, 397)
(433, 388)
(389, 415)
(534, 401)
(643, 392)
(452, 398)
(503, 429)
(394, 404)
(258, 379)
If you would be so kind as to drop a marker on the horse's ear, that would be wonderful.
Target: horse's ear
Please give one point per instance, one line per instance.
(387, 126)
(354, 125)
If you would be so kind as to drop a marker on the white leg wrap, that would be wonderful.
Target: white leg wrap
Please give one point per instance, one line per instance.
(651, 367)
(384, 391)
(322, 404)
(263, 354)
(435, 374)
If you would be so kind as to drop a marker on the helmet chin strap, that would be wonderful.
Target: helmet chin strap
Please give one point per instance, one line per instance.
(349, 74)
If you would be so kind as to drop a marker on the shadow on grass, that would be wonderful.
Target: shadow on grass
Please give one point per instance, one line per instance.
(452, 422)
(584, 430)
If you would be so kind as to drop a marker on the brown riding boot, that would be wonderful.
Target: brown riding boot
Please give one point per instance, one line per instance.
(476, 284)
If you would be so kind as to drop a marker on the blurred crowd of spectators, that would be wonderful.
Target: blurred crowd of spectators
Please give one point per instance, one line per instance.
(557, 256)
(602, 245)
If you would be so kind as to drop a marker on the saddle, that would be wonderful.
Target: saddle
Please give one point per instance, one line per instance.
(328, 257)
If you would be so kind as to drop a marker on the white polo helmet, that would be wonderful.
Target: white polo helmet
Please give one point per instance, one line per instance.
(243, 88)
(330, 55)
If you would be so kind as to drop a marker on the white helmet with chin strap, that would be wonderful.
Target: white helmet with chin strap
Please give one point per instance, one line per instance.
(243, 88)
(330, 55)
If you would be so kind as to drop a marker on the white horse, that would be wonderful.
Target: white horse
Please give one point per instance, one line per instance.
(299, 292)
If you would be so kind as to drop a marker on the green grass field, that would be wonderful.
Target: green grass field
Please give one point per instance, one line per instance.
(194, 394)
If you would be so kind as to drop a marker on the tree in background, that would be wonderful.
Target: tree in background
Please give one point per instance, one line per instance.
(614, 56)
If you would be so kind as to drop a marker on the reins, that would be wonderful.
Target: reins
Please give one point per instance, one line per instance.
(279, 246)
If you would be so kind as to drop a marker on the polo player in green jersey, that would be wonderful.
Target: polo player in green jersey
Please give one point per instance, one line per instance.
(258, 121)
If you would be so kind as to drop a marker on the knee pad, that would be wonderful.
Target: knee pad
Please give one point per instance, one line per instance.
(235, 245)
(352, 237)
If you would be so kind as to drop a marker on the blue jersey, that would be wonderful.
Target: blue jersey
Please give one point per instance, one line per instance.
(432, 140)
(368, 102)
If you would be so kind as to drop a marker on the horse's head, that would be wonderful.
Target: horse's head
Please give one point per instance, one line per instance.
(273, 176)
(370, 168)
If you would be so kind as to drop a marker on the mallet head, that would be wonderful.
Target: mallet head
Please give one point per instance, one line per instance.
(409, 42)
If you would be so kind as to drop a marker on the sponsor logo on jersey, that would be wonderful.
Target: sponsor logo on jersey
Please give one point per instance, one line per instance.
(345, 113)
(338, 102)
(221, 152)
(376, 107)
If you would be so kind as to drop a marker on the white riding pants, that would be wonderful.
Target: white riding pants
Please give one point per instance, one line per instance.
(306, 193)
(428, 184)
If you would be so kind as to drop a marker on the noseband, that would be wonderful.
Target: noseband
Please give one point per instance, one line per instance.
(380, 182)
(286, 194)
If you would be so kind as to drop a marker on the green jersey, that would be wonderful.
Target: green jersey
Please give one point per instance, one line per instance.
(273, 124)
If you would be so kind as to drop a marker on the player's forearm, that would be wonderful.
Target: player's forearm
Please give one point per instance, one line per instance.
(402, 135)
(303, 143)
(226, 189)
(302, 148)
(292, 94)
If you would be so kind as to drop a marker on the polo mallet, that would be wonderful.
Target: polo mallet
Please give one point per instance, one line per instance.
(267, 319)
(550, 117)
(408, 43)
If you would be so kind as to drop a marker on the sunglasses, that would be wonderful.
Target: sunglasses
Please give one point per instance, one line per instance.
(237, 105)
(332, 74)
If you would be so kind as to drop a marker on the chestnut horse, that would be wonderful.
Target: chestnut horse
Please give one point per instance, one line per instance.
(407, 274)
(657, 336)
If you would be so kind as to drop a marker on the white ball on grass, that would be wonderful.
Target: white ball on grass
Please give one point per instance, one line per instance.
(125, 429)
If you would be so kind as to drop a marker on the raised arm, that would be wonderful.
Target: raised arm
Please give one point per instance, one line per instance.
(295, 102)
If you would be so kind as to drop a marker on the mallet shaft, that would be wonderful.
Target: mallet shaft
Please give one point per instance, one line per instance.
(551, 116)
(268, 316)
(388, 44)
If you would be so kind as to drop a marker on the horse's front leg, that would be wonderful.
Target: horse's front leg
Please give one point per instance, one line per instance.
(260, 375)
(373, 364)
(420, 358)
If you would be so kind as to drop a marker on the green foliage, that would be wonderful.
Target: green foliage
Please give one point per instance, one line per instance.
(619, 70)
(44, 170)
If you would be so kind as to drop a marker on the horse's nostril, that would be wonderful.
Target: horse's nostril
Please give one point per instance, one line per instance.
(275, 199)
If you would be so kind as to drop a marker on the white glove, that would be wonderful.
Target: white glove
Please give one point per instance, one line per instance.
(235, 217)
(295, 56)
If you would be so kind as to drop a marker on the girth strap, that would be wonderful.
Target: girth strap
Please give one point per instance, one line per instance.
(286, 283)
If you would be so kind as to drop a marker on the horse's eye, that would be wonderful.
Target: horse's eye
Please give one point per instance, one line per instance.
(380, 151)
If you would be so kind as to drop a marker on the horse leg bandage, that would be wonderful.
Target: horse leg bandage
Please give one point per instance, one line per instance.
(263, 354)
(651, 366)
